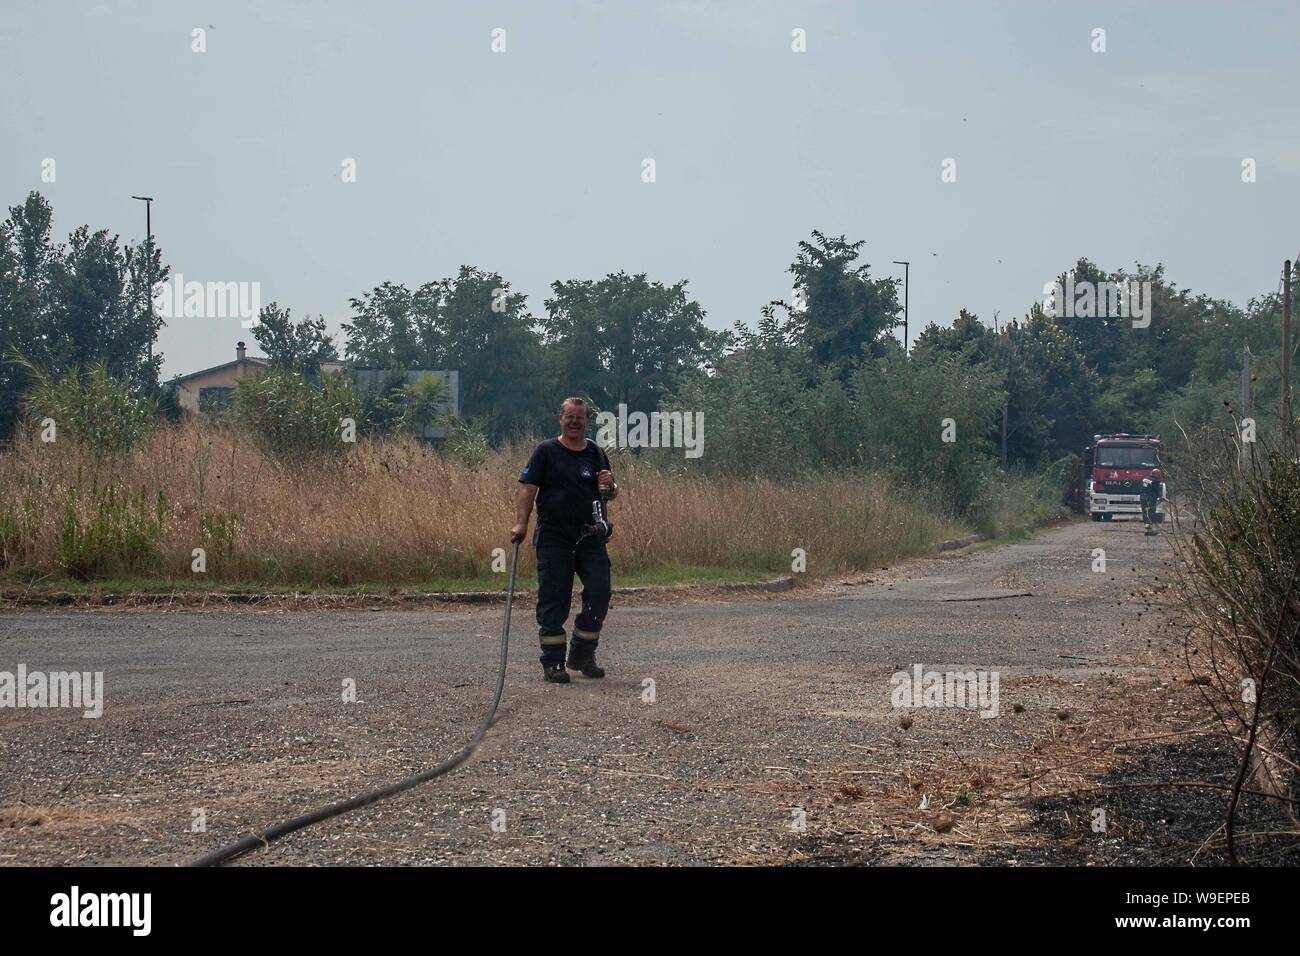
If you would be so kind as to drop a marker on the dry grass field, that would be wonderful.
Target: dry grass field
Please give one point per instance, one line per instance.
(396, 512)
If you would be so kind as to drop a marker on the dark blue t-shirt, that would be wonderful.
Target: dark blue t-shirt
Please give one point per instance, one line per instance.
(567, 486)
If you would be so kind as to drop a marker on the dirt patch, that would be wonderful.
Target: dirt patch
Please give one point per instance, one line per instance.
(22, 817)
(1114, 770)
(15, 818)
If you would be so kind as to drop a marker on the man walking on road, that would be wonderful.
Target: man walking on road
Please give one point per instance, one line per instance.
(565, 476)
(1151, 498)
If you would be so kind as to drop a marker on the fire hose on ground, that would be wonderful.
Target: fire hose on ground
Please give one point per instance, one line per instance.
(263, 839)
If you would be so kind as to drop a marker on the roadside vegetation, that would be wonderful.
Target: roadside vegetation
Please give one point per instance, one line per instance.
(393, 511)
(819, 431)
(1238, 578)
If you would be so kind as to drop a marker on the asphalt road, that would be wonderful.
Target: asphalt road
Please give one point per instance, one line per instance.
(235, 719)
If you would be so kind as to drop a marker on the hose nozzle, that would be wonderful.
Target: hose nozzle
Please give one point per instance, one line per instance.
(600, 523)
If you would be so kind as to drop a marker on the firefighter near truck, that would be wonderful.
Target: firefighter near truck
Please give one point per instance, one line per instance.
(1116, 468)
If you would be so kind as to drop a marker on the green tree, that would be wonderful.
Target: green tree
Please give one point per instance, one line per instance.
(625, 339)
(968, 339)
(91, 406)
(1048, 387)
(845, 311)
(293, 418)
(1052, 392)
(72, 305)
(384, 405)
(1097, 337)
(1131, 403)
(425, 402)
(472, 322)
(392, 328)
(908, 408)
(757, 404)
(300, 346)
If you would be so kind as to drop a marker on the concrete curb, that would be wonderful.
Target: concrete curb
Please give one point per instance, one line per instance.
(246, 598)
(955, 543)
(15, 598)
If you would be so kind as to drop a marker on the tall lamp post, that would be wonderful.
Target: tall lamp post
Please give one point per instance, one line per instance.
(906, 270)
(1288, 419)
(148, 231)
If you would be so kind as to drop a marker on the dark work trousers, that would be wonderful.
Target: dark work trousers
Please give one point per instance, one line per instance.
(555, 569)
(1149, 508)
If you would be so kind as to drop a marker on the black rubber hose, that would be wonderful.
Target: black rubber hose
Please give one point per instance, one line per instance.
(259, 840)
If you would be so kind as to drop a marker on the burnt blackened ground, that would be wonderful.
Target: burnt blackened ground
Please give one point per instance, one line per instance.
(1151, 824)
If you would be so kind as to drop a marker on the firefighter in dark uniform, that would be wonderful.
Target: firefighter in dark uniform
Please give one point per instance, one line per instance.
(1151, 498)
(570, 480)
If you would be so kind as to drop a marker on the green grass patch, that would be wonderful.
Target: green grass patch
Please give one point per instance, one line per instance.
(664, 575)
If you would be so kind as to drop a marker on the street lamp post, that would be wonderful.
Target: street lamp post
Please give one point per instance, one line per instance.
(906, 270)
(148, 230)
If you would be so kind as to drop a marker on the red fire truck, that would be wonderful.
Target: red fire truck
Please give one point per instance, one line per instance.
(1113, 469)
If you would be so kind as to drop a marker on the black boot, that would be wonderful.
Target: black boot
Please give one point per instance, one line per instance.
(582, 656)
(553, 662)
(555, 673)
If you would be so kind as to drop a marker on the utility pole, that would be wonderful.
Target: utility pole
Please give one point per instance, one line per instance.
(1011, 353)
(907, 266)
(1245, 379)
(1288, 421)
(1006, 406)
(1246, 399)
(148, 245)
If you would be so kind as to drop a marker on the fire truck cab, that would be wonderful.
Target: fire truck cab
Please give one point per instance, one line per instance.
(1114, 466)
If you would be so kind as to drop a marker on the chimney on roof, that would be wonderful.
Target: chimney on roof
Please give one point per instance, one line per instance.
(239, 351)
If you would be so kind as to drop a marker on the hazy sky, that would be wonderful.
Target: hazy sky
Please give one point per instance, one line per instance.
(529, 162)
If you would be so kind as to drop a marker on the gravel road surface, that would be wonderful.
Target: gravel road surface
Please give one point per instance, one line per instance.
(769, 735)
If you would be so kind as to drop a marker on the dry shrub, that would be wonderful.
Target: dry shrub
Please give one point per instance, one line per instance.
(1238, 575)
